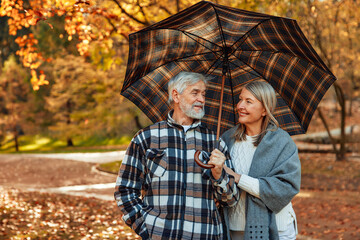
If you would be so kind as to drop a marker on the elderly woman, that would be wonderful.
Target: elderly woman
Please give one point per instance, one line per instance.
(267, 169)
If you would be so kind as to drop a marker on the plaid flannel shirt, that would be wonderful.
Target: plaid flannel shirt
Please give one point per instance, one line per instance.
(179, 196)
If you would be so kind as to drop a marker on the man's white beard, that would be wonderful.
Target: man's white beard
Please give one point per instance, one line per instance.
(190, 111)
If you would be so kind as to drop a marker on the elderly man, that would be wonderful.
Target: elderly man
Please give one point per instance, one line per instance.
(178, 197)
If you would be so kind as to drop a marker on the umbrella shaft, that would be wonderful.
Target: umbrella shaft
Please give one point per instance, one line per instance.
(220, 108)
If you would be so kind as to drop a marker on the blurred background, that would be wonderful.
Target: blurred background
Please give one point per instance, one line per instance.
(62, 65)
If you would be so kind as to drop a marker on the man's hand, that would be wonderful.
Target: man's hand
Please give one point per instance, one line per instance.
(217, 158)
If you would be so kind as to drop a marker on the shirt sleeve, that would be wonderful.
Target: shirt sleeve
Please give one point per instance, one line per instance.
(225, 187)
(128, 189)
(250, 185)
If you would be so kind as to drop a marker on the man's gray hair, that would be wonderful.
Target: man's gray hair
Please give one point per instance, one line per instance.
(182, 80)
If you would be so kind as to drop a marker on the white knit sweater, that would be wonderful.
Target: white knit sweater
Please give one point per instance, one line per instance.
(242, 156)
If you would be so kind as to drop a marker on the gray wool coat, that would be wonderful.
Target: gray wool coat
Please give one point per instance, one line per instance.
(277, 166)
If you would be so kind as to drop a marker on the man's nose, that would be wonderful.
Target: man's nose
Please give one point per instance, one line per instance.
(201, 98)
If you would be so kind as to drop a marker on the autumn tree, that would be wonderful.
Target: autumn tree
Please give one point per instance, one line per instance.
(85, 101)
(333, 27)
(88, 21)
(14, 99)
(114, 116)
(71, 96)
(7, 42)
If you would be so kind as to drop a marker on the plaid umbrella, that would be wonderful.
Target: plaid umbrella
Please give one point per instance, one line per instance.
(233, 46)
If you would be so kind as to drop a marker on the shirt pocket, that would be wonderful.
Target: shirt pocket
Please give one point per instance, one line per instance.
(156, 161)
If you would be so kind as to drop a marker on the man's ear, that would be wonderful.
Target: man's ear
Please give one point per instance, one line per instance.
(175, 96)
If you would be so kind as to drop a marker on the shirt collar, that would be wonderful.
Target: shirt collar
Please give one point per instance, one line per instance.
(172, 122)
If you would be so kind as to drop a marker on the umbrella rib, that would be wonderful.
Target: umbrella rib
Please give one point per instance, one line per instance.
(190, 35)
(212, 67)
(274, 52)
(194, 55)
(259, 75)
(243, 38)
(285, 53)
(220, 27)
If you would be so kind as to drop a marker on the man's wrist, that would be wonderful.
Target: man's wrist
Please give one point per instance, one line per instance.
(220, 178)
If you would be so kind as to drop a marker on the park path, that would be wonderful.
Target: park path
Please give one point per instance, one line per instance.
(76, 173)
(66, 173)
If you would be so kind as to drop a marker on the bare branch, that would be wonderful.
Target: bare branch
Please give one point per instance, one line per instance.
(143, 13)
(114, 28)
(129, 15)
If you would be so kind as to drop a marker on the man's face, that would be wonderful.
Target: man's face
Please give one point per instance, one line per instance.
(192, 100)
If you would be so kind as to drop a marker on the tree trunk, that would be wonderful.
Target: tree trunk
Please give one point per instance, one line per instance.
(341, 99)
(16, 139)
(352, 97)
(137, 122)
(352, 68)
(350, 106)
(332, 140)
(136, 118)
(69, 142)
(340, 153)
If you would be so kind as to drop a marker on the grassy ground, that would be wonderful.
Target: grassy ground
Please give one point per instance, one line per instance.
(112, 167)
(44, 144)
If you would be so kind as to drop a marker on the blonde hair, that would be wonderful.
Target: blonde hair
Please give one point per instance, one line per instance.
(265, 93)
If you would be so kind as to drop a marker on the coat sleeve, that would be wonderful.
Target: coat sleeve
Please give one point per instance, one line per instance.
(282, 182)
(128, 189)
(225, 188)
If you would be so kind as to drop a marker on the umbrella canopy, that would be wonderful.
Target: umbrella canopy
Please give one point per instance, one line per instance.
(221, 41)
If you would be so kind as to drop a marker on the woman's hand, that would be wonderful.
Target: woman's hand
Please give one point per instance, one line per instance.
(217, 158)
(231, 172)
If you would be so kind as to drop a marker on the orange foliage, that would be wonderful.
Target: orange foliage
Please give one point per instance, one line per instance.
(76, 22)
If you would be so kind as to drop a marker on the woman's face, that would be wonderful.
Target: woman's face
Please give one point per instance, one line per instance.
(251, 111)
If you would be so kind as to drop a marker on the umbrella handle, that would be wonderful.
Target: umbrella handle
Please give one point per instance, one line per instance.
(200, 163)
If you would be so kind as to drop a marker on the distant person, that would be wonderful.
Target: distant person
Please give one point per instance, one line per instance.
(178, 199)
(267, 169)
